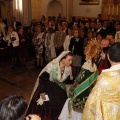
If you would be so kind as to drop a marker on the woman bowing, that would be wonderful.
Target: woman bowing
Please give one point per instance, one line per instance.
(49, 94)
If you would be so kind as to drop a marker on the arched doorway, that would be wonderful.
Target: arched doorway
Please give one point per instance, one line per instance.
(54, 8)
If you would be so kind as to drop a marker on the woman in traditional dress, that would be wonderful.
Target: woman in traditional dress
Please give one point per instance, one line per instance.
(82, 85)
(49, 94)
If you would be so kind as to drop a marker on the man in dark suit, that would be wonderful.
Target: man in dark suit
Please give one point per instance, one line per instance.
(100, 29)
(99, 18)
(93, 26)
(15, 23)
(52, 24)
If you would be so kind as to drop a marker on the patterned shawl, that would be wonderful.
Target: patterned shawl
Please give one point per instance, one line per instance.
(54, 71)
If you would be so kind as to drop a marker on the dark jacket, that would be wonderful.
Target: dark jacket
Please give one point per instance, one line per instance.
(76, 46)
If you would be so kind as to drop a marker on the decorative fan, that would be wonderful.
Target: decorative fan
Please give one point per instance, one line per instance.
(92, 49)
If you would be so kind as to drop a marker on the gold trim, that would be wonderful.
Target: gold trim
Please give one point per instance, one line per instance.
(85, 88)
(77, 110)
(93, 49)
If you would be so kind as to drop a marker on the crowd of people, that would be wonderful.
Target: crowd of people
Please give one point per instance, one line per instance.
(47, 38)
(83, 53)
(50, 36)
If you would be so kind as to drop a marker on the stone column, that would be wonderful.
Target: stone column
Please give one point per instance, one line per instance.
(22, 11)
(27, 13)
(36, 9)
(18, 10)
(9, 10)
(70, 9)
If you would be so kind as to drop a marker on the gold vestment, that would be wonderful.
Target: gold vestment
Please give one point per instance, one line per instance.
(103, 102)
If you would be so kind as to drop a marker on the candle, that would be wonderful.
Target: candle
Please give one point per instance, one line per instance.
(117, 10)
(113, 10)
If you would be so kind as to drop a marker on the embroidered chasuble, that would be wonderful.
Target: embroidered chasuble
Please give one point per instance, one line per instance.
(103, 102)
(81, 89)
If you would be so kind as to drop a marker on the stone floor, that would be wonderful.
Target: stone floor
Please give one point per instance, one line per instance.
(20, 80)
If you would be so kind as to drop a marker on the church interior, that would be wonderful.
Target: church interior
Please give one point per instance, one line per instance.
(21, 79)
(26, 10)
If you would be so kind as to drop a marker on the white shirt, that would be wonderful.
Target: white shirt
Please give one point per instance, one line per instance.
(117, 36)
(98, 30)
(15, 42)
(67, 42)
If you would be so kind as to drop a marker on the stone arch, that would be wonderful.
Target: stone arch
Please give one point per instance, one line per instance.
(54, 8)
